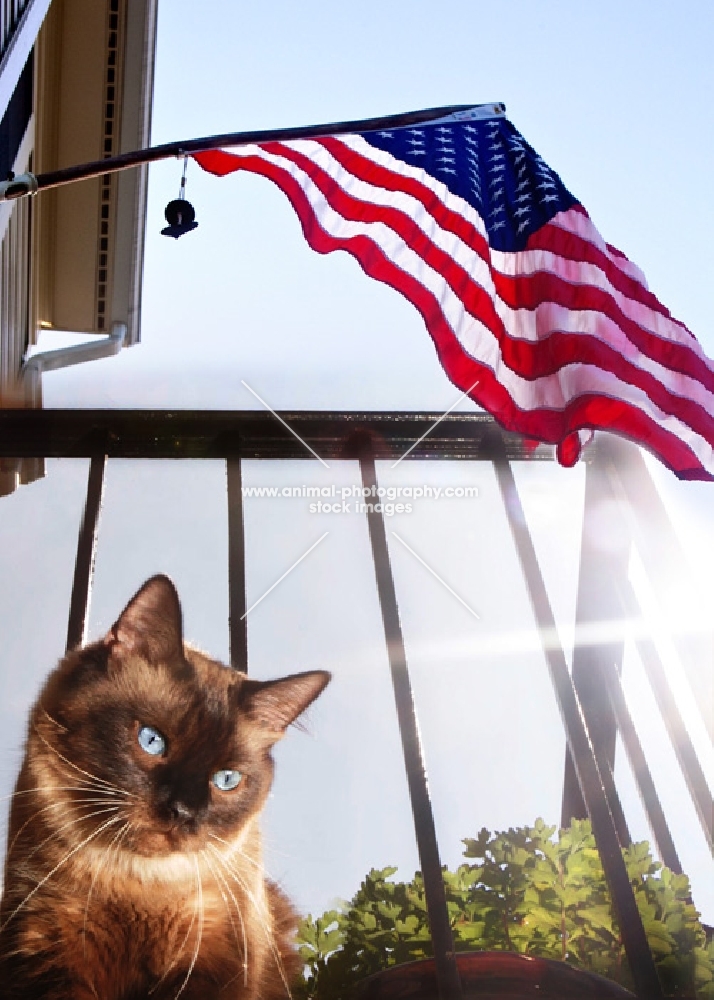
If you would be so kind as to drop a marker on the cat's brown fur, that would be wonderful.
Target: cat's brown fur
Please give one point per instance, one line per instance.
(130, 875)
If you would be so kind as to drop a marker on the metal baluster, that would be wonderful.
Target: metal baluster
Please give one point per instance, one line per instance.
(597, 605)
(679, 737)
(447, 973)
(86, 550)
(643, 777)
(662, 556)
(237, 623)
(637, 949)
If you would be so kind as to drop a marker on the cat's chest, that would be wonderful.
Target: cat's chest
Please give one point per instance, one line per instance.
(135, 935)
(160, 908)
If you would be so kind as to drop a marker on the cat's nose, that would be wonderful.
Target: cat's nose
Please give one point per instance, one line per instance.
(181, 812)
(181, 799)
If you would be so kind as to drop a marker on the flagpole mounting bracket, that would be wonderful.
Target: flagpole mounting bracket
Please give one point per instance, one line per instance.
(18, 186)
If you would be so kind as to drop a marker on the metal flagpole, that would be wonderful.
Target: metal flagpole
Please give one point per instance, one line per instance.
(24, 184)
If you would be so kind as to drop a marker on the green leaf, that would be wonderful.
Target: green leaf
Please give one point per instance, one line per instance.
(533, 890)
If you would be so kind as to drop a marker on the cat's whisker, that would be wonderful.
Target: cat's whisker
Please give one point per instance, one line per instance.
(122, 837)
(86, 787)
(73, 822)
(52, 805)
(245, 857)
(62, 729)
(199, 935)
(268, 936)
(115, 841)
(224, 888)
(259, 912)
(219, 877)
(177, 955)
(60, 864)
(75, 767)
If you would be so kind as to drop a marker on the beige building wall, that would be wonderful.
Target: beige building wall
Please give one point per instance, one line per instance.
(94, 80)
(72, 258)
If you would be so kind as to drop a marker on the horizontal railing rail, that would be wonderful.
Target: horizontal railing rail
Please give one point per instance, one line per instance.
(254, 434)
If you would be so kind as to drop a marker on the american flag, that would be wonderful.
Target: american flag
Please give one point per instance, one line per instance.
(552, 330)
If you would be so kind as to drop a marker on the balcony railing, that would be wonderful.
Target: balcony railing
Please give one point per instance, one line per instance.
(589, 697)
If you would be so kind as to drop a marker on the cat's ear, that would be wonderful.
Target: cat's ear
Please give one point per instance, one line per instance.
(275, 704)
(150, 625)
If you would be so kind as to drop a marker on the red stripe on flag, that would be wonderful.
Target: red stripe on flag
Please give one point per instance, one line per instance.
(530, 359)
(565, 244)
(547, 424)
(553, 239)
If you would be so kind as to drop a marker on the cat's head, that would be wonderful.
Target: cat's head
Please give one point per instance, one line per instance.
(154, 742)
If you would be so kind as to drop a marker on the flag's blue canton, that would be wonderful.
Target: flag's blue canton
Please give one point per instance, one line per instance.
(490, 165)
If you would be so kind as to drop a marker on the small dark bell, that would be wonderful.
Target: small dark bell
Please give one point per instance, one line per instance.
(180, 216)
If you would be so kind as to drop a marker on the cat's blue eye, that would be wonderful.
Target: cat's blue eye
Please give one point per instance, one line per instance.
(226, 781)
(151, 741)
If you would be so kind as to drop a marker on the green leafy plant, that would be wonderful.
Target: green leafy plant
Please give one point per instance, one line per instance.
(528, 890)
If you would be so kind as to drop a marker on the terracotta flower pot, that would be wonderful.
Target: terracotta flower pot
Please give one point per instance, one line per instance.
(494, 975)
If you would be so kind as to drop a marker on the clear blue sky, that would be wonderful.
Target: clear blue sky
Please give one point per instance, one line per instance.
(617, 98)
